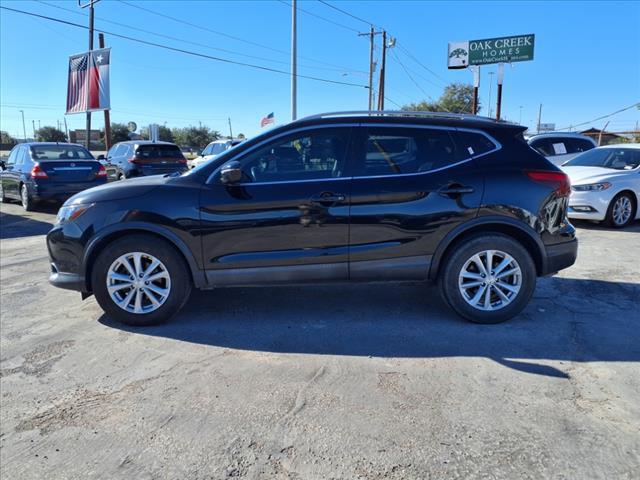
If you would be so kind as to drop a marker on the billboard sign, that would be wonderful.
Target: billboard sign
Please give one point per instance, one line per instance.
(547, 127)
(518, 48)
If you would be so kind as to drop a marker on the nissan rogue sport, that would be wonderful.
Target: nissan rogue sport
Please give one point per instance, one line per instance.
(341, 197)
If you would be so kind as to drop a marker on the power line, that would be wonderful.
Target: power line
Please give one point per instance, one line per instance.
(161, 35)
(320, 17)
(186, 52)
(346, 13)
(635, 105)
(233, 37)
(410, 55)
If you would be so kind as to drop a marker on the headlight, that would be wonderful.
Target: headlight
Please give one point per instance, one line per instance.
(70, 213)
(592, 187)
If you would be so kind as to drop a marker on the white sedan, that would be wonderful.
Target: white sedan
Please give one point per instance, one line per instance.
(605, 184)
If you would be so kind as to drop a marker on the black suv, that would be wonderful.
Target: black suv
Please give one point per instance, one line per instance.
(143, 157)
(359, 196)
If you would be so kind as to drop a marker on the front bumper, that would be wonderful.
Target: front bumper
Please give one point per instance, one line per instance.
(588, 205)
(560, 256)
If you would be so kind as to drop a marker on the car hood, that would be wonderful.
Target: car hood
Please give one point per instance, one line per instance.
(121, 189)
(585, 175)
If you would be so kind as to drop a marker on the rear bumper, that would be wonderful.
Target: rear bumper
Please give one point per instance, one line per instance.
(62, 191)
(67, 281)
(560, 256)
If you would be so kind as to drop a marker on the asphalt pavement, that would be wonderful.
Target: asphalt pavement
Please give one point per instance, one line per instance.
(318, 382)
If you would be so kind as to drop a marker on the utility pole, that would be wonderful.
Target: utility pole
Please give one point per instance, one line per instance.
(539, 117)
(24, 129)
(371, 36)
(294, 60)
(107, 115)
(476, 85)
(520, 116)
(230, 131)
(382, 71)
(33, 123)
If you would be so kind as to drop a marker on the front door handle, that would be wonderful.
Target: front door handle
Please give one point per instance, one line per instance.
(455, 189)
(328, 198)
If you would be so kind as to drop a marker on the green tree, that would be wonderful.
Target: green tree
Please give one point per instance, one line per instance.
(119, 133)
(50, 134)
(196, 137)
(456, 98)
(6, 139)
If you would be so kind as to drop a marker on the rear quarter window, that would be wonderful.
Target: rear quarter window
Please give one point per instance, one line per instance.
(473, 144)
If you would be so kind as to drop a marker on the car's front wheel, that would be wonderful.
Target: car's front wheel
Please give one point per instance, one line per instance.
(140, 280)
(488, 278)
(621, 211)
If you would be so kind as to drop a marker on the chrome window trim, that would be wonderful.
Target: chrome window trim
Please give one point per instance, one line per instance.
(497, 145)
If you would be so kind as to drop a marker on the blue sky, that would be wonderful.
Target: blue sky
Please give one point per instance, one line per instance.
(587, 60)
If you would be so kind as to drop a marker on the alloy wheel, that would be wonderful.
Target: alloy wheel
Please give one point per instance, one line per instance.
(490, 280)
(622, 210)
(138, 282)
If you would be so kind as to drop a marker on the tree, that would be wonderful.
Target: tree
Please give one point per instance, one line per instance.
(197, 137)
(7, 140)
(119, 133)
(50, 134)
(456, 98)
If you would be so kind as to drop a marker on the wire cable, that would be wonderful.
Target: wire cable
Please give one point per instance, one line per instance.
(346, 13)
(186, 52)
(635, 105)
(320, 17)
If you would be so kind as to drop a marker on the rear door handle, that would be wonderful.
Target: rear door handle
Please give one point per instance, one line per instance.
(328, 198)
(454, 189)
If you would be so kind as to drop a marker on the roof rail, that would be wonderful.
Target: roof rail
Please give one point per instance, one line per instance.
(398, 113)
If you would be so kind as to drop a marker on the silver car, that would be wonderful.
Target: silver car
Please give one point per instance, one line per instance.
(560, 147)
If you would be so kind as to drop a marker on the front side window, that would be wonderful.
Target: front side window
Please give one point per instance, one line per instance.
(310, 155)
(393, 151)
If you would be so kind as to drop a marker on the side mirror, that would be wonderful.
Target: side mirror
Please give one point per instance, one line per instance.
(101, 157)
(231, 173)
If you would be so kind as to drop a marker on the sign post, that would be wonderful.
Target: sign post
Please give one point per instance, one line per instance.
(500, 50)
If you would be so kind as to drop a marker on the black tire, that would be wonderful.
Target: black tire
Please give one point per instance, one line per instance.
(455, 261)
(610, 220)
(160, 249)
(27, 201)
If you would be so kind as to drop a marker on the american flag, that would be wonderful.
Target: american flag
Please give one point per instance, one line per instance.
(88, 87)
(77, 88)
(267, 120)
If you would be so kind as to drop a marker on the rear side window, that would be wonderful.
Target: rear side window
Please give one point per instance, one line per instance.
(393, 151)
(158, 152)
(59, 152)
(13, 156)
(550, 147)
(473, 143)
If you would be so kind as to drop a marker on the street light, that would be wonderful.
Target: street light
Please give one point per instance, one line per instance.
(24, 129)
(520, 117)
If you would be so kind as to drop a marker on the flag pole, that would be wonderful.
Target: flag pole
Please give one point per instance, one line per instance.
(107, 116)
(88, 139)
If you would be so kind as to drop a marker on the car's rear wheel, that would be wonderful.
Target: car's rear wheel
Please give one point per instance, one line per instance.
(25, 198)
(488, 278)
(621, 211)
(140, 280)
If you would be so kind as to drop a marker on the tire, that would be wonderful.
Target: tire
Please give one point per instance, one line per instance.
(621, 211)
(461, 257)
(27, 202)
(177, 280)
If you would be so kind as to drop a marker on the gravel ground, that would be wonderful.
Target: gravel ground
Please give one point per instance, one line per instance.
(359, 381)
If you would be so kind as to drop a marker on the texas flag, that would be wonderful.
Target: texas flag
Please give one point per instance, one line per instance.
(88, 83)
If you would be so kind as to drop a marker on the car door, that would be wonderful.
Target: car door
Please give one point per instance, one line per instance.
(411, 187)
(287, 221)
(10, 176)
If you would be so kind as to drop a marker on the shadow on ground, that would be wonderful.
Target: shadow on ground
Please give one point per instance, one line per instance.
(15, 226)
(568, 319)
(588, 225)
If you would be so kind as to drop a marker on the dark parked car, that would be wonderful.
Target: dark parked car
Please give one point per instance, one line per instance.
(357, 197)
(48, 171)
(138, 158)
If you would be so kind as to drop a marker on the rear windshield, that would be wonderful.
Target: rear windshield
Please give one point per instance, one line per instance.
(60, 152)
(151, 152)
(614, 158)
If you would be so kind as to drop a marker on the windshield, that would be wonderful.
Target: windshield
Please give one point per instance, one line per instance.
(218, 148)
(60, 152)
(614, 158)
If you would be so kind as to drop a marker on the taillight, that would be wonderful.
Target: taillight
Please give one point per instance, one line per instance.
(37, 172)
(182, 160)
(102, 172)
(134, 160)
(559, 180)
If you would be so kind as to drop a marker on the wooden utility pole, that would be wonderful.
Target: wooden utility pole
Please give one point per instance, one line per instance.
(382, 71)
(371, 34)
(230, 130)
(539, 117)
(107, 116)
